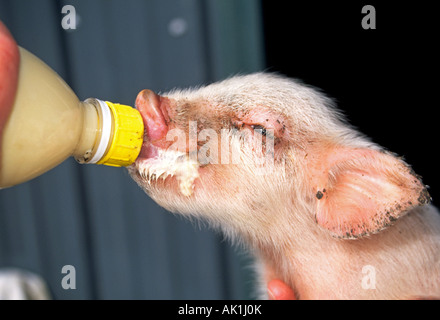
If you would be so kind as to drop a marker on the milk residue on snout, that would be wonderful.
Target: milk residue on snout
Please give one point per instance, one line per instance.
(171, 163)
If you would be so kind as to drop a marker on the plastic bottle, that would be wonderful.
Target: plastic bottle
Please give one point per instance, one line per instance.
(48, 124)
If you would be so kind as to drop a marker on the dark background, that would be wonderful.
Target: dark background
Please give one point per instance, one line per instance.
(95, 218)
(385, 80)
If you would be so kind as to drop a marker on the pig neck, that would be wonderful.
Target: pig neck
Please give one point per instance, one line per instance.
(290, 246)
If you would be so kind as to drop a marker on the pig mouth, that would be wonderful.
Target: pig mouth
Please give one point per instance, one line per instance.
(157, 161)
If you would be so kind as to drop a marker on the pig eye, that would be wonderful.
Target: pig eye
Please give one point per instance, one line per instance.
(259, 129)
(256, 128)
(262, 130)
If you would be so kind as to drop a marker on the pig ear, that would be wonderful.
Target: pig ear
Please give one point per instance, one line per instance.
(362, 191)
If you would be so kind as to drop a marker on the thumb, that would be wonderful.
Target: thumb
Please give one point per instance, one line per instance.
(278, 290)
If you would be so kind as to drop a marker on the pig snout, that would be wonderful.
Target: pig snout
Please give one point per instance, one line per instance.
(149, 105)
(154, 115)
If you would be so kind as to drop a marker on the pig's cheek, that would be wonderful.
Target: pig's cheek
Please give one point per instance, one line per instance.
(216, 180)
(208, 180)
(263, 119)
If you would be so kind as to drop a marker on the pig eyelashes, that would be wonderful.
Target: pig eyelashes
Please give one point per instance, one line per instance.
(257, 128)
(254, 132)
(261, 130)
(264, 127)
(263, 122)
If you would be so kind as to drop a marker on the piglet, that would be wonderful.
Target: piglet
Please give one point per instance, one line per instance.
(273, 164)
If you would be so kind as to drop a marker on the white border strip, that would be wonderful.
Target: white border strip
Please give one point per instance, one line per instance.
(106, 131)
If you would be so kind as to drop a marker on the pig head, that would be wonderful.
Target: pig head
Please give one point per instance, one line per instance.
(273, 164)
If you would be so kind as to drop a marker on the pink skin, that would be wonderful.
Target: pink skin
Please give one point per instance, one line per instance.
(9, 65)
(278, 290)
(153, 109)
(149, 105)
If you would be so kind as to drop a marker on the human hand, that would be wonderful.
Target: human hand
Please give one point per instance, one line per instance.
(278, 290)
(9, 64)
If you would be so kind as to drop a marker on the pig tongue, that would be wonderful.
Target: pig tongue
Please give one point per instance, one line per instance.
(148, 104)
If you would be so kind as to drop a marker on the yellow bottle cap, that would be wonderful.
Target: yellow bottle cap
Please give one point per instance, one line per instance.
(128, 134)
